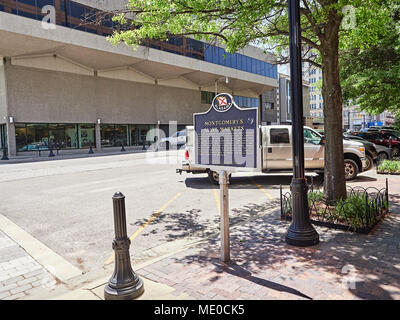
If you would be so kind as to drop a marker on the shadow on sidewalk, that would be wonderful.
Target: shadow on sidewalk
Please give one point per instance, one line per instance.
(236, 270)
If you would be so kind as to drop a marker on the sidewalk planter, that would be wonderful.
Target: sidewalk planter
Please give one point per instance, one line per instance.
(359, 212)
(388, 167)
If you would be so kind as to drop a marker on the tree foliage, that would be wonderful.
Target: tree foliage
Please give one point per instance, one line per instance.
(371, 74)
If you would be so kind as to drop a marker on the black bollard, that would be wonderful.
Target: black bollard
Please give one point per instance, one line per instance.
(122, 145)
(4, 154)
(124, 284)
(144, 145)
(90, 148)
(167, 145)
(51, 154)
(390, 148)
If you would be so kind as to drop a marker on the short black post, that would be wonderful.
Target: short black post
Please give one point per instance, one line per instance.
(144, 145)
(51, 154)
(280, 195)
(4, 154)
(124, 284)
(387, 193)
(90, 148)
(167, 145)
(57, 148)
(390, 148)
(38, 149)
(122, 145)
(155, 144)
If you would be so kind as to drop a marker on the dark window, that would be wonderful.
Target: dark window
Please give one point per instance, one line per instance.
(207, 97)
(279, 136)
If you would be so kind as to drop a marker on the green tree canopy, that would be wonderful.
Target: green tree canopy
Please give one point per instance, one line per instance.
(371, 75)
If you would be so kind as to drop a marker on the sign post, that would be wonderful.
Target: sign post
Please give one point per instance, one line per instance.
(226, 140)
(224, 203)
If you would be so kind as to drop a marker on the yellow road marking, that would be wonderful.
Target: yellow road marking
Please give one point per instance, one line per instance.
(155, 215)
(263, 190)
(216, 195)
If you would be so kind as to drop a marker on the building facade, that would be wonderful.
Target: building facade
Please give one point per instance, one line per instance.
(276, 103)
(68, 87)
(313, 76)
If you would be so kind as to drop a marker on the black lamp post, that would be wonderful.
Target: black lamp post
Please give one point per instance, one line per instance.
(301, 233)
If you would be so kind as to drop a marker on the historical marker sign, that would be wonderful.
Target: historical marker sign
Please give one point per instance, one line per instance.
(226, 136)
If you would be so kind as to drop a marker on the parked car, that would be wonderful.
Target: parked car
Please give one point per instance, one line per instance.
(177, 139)
(277, 156)
(371, 153)
(382, 139)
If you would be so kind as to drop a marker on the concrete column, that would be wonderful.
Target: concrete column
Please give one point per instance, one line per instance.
(12, 147)
(98, 137)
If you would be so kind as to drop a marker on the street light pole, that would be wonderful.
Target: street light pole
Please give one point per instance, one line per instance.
(301, 233)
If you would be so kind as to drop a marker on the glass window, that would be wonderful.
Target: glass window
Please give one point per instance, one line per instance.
(63, 136)
(37, 137)
(113, 135)
(253, 65)
(311, 137)
(87, 135)
(207, 97)
(279, 136)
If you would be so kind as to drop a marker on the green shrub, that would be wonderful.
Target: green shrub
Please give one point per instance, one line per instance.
(390, 166)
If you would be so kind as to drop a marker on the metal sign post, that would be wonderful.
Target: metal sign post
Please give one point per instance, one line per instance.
(224, 203)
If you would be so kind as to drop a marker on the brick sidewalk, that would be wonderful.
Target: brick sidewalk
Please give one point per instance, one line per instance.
(19, 272)
(344, 265)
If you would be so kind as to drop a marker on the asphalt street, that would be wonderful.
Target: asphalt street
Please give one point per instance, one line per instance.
(67, 204)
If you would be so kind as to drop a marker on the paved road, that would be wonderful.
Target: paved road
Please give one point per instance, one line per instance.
(66, 204)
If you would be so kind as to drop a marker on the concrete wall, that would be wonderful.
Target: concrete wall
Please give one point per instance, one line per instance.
(43, 96)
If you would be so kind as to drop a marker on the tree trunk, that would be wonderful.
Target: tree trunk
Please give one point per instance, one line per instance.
(334, 178)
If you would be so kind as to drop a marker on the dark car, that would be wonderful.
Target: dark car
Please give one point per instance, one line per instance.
(383, 139)
(371, 153)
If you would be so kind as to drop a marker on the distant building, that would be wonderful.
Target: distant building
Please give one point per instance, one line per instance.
(313, 76)
(276, 103)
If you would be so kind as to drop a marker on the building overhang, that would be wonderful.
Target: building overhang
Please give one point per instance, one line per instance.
(28, 44)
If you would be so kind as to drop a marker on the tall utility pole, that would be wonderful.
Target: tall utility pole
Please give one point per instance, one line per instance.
(301, 233)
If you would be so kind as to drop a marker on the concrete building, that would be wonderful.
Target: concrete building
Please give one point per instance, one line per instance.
(69, 87)
(313, 76)
(356, 119)
(276, 103)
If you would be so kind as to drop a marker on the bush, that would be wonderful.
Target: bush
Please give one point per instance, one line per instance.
(389, 166)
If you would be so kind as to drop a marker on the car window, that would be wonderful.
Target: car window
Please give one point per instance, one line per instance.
(279, 136)
(181, 133)
(311, 137)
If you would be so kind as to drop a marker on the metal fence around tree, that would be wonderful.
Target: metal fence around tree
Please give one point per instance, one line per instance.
(359, 212)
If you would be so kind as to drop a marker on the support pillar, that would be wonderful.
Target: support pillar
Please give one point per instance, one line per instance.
(11, 142)
(98, 137)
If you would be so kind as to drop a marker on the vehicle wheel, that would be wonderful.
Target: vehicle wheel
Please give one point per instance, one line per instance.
(396, 152)
(350, 169)
(368, 163)
(214, 177)
(382, 156)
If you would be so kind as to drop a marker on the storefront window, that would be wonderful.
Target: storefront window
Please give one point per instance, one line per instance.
(37, 137)
(139, 134)
(63, 136)
(3, 136)
(87, 135)
(114, 135)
